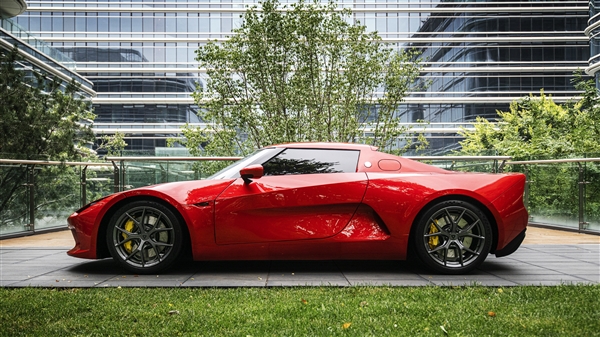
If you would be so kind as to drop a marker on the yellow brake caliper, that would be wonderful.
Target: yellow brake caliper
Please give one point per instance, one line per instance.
(434, 241)
(128, 227)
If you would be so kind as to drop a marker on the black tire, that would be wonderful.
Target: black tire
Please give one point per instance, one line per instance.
(453, 237)
(144, 237)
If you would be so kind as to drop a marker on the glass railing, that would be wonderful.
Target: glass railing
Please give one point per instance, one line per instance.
(559, 193)
(38, 195)
(563, 192)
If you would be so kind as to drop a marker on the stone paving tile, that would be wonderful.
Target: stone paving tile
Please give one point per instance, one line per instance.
(228, 274)
(530, 265)
(384, 273)
(464, 279)
(488, 283)
(517, 269)
(307, 278)
(595, 278)
(163, 280)
(391, 283)
(27, 272)
(355, 276)
(305, 273)
(138, 284)
(71, 276)
(552, 283)
(226, 280)
(327, 282)
(52, 284)
(544, 279)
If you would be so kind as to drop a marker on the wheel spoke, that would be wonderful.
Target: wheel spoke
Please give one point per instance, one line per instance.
(142, 257)
(435, 234)
(438, 248)
(460, 255)
(457, 221)
(143, 221)
(446, 256)
(470, 251)
(124, 241)
(137, 249)
(449, 220)
(124, 231)
(155, 223)
(469, 227)
(470, 235)
(133, 219)
(157, 254)
(434, 222)
(162, 244)
(158, 230)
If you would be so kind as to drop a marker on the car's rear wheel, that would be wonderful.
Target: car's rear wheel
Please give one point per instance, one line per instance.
(145, 237)
(453, 237)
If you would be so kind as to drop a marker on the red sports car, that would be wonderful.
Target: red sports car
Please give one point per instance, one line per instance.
(310, 201)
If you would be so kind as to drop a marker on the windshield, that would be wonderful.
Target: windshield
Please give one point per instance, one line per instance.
(258, 157)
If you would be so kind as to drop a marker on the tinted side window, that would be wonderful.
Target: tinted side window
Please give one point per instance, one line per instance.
(309, 161)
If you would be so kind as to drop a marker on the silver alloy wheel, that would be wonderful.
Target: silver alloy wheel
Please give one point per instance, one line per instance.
(455, 237)
(143, 236)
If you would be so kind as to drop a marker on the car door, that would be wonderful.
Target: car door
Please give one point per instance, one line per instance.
(304, 194)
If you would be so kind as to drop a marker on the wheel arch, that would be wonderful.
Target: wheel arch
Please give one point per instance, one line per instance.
(486, 211)
(101, 245)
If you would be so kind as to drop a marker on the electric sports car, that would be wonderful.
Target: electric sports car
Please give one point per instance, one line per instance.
(310, 201)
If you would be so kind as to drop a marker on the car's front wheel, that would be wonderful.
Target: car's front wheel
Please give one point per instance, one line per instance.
(144, 237)
(453, 237)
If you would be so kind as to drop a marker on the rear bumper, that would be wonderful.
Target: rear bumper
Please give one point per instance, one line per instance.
(512, 246)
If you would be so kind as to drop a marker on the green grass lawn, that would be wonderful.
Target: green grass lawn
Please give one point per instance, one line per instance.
(311, 311)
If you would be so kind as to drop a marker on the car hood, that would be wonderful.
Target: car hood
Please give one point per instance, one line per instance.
(185, 192)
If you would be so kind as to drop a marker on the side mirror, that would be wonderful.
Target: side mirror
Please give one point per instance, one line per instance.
(252, 172)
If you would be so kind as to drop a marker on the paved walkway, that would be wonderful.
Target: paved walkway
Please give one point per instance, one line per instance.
(547, 258)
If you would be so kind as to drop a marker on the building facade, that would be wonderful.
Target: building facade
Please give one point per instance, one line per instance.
(37, 55)
(478, 55)
(592, 31)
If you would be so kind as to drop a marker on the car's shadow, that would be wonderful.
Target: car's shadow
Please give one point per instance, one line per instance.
(109, 266)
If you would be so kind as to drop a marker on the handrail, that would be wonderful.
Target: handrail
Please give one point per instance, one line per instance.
(49, 162)
(169, 158)
(419, 158)
(465, 158)
(553, 161)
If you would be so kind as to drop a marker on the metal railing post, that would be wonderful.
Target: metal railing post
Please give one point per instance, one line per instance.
(527, 183)
(31, 185)
(123, 176)
(582, 183)
(84, 186)
(116, 175)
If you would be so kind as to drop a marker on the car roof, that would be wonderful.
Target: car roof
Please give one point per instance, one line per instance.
(324, 145)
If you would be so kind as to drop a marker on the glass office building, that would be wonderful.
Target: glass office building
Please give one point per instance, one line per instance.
(479, 55)
(593, 33)
(37, 55)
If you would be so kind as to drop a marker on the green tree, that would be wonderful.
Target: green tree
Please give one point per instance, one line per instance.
(40, 118)
(301, 72)
(112, 145)
(537, 127)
